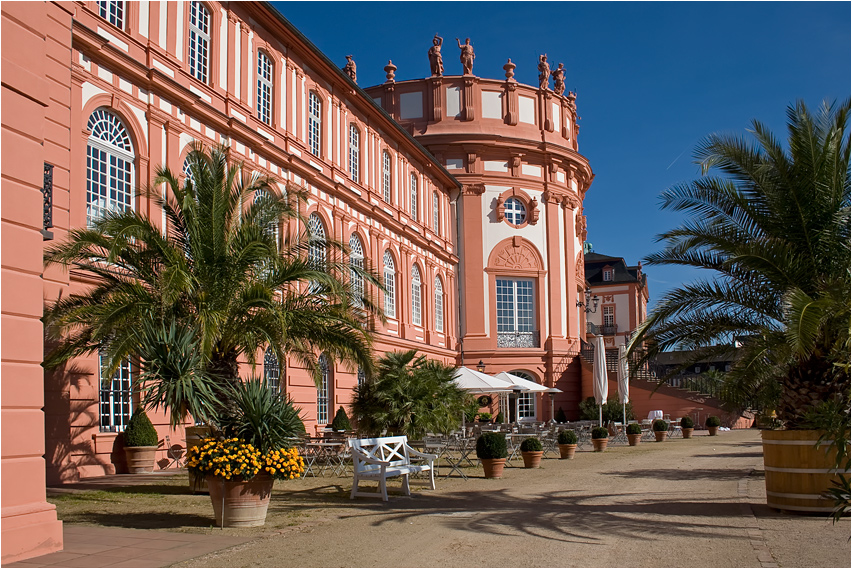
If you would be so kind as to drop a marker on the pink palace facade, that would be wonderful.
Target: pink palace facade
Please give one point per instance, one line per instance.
(469, 204)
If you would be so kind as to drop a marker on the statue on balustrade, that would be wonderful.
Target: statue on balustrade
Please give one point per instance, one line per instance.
(543, 72)
(436, 62)
(349, 68)
(467, 56)
(559, 79)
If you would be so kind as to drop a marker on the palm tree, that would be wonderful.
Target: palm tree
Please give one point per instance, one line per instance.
(409, 395)
(774, 231)
(232, 271)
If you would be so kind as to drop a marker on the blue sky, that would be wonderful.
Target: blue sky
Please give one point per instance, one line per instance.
(653, 79)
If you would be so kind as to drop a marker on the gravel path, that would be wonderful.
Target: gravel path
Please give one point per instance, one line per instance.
(682, 503)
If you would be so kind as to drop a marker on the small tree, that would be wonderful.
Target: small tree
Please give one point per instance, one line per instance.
(560, 416)
(341, 421)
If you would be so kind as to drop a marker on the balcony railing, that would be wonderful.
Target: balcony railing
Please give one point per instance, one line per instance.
(518, 339)
(601, 330)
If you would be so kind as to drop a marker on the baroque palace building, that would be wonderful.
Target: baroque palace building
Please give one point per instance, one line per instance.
(464, 193)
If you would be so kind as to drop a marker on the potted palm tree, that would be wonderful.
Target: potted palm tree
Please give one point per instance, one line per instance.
(687, 425)
(661, 429)
(773, 226)
(712, 423)
(491, 449)
(634, 434)
(600, 438)
(531, 451)
(140, 443)
(567, 441)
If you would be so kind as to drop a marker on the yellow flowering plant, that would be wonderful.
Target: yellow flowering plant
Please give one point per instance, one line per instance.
(234, 459)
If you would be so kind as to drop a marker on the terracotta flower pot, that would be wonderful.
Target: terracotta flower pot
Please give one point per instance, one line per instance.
(712, 431)
(687, 433)
(567, 451)
(243, 504)
(532, 458)
(600, 444)
(140, 459)
(661, 435)
(493, 467)
(633, 440)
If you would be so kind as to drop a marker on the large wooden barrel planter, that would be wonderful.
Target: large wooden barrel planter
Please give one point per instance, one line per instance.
(797, 473)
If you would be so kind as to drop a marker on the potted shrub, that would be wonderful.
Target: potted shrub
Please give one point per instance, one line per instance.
(600, 438)
(712, 423)
(634, 434)
(560, 416)
(484, 417)
(531, 450)
(687, 425)
(567, 441)
(661, 429)
(140, 443)
(341, 423)
(500, 419)
(492, 451)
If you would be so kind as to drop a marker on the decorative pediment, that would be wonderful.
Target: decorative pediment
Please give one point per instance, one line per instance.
(516, 253)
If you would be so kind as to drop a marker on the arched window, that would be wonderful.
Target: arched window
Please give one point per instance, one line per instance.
(416, 297)
(413, 187)
(390, 285)
(386, 176)
(272, 227)
(526, 400)
(323, 391)
(354, 152)
(317, 247)
(109, 166)
(187, 172)
(439, 305)
(356, 260)
(264, 88)
(515, 211)
(271, 370)
(199, 42)
(112, 12)
(314, 123)
(436, 213)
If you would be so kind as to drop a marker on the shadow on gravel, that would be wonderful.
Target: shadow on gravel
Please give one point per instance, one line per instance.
(731, 455)
(564, 517)
(146, 520)
(684, 474)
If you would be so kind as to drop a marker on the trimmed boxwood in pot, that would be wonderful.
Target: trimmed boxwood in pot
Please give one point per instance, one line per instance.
(634, 429)
(560, 416)
(567, 437)
(600, 433)
(531, 451)
(491, 445)
(660, 425)
(600, 438)
(140, 443)
(341, 421)
(531, 444)
(687, 423)
(712, 421)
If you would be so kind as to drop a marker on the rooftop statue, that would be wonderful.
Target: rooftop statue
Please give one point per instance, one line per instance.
(436, 62)
(559, 79)
(466, 56)
(543, 71)
(349, 68)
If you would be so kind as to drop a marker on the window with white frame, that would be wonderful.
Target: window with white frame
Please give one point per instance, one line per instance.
(526, 400)
(607, 274)
(187, 172)
(264, 88)
(386, 176)
(439, 305)
(609, 316)
(356, 261)
(413, 188)
(109, 166)
(199, 42)
(362, 376)
(323, 399)
(416, 286)
(317, 247)
(514, 211)
(271, 370)
(390, 285)
(116, 396)
(112, 12)
(436, 213)
(272, 227)
(314, 123)
(354, 152)
(515, 305)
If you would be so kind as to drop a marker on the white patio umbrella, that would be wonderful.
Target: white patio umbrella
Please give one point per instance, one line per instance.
(599, 378)
(478, 382)
(623, 383)
(525, 384)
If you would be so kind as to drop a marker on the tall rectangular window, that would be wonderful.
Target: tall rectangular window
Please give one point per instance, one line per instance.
(323, 391)
(413, 189)
(116, 402)
(436, 213)
(515, 305)
(199, 42)
(386, 176)
(609, 316)
(264, 88)
(354, 152)
(112, 12)
(314, 123)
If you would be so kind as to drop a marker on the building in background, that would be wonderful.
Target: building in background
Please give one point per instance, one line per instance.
(622, 298)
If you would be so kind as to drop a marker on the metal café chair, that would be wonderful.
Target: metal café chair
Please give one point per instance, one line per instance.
(456, 453)
(175, 453)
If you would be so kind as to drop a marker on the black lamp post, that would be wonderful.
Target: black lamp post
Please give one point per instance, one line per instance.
(480, 367)
(593, 300)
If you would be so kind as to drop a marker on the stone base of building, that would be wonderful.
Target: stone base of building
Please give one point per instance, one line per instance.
(29, 531)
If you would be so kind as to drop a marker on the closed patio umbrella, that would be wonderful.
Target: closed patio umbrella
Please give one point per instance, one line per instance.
(599, 378)
(623, 385)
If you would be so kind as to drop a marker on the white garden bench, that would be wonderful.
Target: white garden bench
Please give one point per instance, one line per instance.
(384, 457)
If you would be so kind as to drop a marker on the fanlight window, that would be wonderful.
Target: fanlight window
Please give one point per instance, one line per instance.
(356, 260)
(390, 285)
(109, 166)
(199, 41)
(416, 296)
(264, 88)
(439, 305)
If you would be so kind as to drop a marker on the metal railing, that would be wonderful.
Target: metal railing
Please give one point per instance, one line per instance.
(599, 330)
(518, 339)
